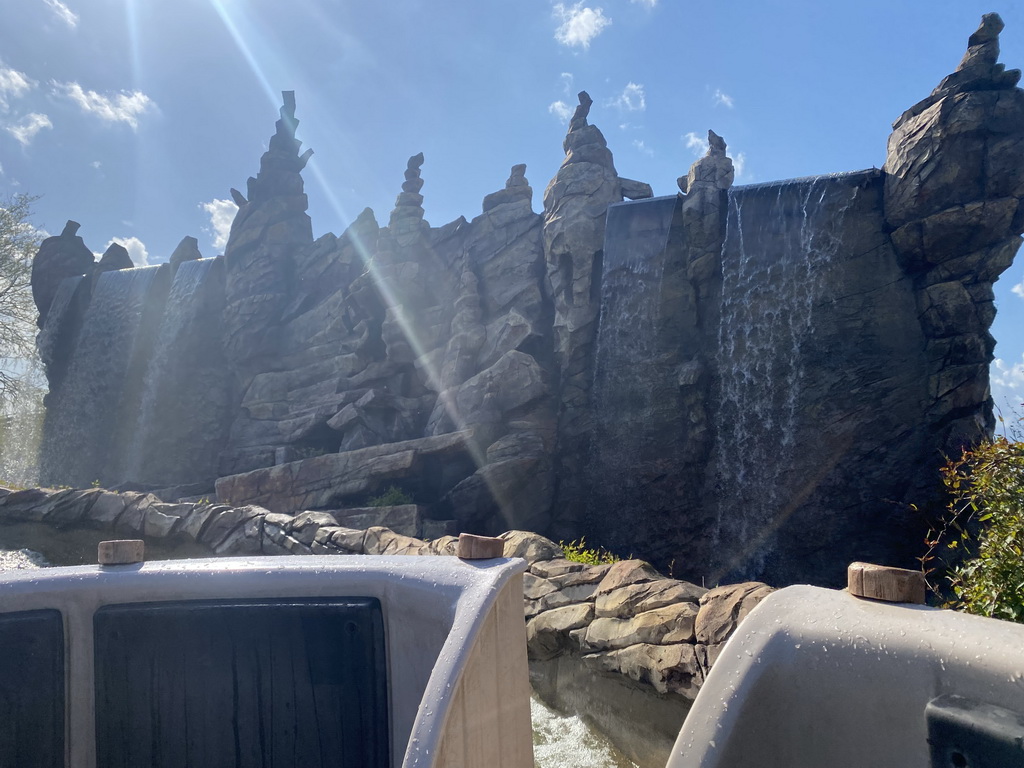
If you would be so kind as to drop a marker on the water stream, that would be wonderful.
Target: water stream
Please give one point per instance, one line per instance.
(564, 741)
(780, 241)
(166, 447)
(105, 365)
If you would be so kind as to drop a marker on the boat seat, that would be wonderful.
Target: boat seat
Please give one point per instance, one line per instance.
(816, 677)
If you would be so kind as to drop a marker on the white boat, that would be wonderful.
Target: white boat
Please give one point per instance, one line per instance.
(421, 661)
(269, 661)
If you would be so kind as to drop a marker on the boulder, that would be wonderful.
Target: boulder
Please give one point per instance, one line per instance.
(668, 624)
(547, 634)
(723, 608)
(667, 668)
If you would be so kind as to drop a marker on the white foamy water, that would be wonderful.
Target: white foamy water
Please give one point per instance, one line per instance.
(561, 741)
(20, 559)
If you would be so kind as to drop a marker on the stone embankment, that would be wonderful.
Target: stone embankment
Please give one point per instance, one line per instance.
(621, 618)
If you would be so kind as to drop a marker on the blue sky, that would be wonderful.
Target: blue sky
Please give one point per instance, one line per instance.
(135, 117)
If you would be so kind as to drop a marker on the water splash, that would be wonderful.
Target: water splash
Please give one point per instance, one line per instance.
(563, 741)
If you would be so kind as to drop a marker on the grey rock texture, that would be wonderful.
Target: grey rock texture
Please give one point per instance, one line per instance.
(953, 197)
(575, 208)
(266, 232)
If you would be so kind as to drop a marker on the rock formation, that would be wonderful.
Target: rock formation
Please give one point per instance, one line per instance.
(65, 255)
(748, 382)
(953, 192)
(575, 207)
(268, 228)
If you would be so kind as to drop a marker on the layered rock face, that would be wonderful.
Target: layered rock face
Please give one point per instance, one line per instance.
(750, 383)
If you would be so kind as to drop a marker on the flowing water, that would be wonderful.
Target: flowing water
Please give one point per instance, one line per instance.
(780, 241)
(106, 363)
(166, 447)
(562, 741)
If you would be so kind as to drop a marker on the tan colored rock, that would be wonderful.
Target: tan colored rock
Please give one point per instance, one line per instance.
(723, 608)
(339, 537)
(670, 624)
(589, 574)
(667, 668)
(558, 566)
(325, 481)
(547, 635)
(535, 588)
(632, 599)
(627, 572)
(304, 525)
(530, 546)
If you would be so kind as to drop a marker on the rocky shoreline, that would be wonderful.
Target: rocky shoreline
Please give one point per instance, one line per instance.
(622, 618)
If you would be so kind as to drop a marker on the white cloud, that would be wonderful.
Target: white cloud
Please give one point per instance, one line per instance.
(561, 110)
(13, 84)
(1007, 383)
(632, 98)
(648, 3)
(739, 163)
(1019, 289)
(95, 163)
(222, 213)
(723, 98)
(579, 25)
(639, 144)
(26, 129)
(567, 80)
(135, 247)
(696, 144)
(63, 13)
(123, 107)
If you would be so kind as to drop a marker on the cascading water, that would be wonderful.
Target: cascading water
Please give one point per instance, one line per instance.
(57, 335)
(184, 397)
(567, 741)
(85, 412)
(780, 241)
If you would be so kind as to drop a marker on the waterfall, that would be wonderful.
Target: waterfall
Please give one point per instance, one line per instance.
(779, 243)
(176, 440)
(58, 333)
(85, 412)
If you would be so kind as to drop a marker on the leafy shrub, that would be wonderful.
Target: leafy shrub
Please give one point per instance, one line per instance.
(577, 552)
(985, 527)
(393, 496)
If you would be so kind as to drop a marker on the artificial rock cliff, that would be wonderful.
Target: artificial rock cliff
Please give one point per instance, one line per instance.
(744, 382)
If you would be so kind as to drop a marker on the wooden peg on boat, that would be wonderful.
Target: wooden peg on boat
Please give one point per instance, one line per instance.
(472, 547)
(880, 582)
(121, 552)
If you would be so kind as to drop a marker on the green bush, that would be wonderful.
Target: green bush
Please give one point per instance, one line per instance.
(393, 496)
(985, 527)
(577, 552)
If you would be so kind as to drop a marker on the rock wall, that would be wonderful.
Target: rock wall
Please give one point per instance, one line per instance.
(744, 383)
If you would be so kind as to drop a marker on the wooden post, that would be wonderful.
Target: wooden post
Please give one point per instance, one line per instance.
(880, 582)
(121, 552)
(473, 547)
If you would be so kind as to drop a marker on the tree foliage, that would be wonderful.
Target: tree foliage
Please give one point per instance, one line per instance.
(985, 526)
(19, 241)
